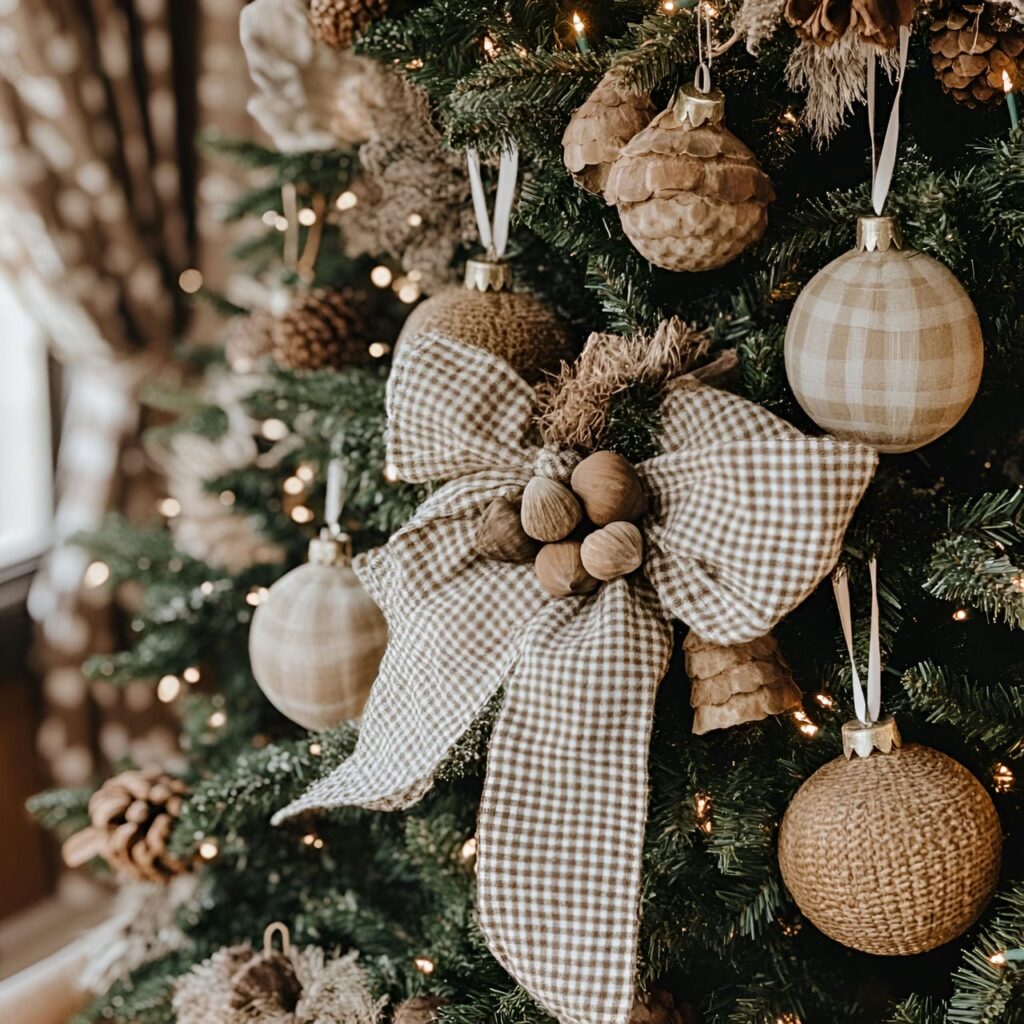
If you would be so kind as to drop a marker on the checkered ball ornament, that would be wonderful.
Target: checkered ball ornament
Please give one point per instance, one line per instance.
(884, 347)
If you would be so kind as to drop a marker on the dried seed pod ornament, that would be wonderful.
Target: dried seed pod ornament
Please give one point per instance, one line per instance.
(487, 313)
(597, 131)
(690, 195)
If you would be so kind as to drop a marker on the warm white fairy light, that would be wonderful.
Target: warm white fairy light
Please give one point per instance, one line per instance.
(490, 50)
(381, 276)
(256, 596)
(824, 700)
(274, 429)
(227, 497)
(346, 201)
(96, 574)
(468, 849)
(960, 615)
(804, 723)
(168, 507)
(423, 964)
(997, 959)
(1002, 778)
(391, 473)
(168, 688)
(217, 720)
(409, 292)
(294, 485)
(206, 588)
(307, 217)
(191, 674)
(209, 849)
(270, 218)
(305, 472)
(668, 5)
(303, 514)
(414, 220)
(378, 349)
(281, 223)
(315, 749)
(308, 839)
(190, 280)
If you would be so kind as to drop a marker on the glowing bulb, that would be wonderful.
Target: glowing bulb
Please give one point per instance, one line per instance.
(391, 473)
(318, 843)
(217, 720)
(997, 959)
(269, 218)
(208, 849)
(302, 514)
(669, 5)
(1002, 778)
(307, 217)
(577, 23)
(256, 596)
(305, 472)
(274, 430)
(381, 276)
(1007, 84)
(824, 700)
(468, 850)
(227, 497)
(281, 223)
(308, 839)
(168, 507)
(206, 588)
(293, 485)
(409, 292)
(378, 349)
(168, 688)
(346, 200)
(96, 574)
(190, 281)
(191, 674)
(414, 220)
(960, 615)
(315, 749)
(809, 729)
(423, 964)
(489, 48)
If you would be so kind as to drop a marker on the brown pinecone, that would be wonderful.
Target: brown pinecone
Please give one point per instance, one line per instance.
(972, 46)
(658, 1007)
(336, 22)
(247, 340)
(825, 22)
(132, 817)
(418, 1010)
(324, 330)
(737, 683)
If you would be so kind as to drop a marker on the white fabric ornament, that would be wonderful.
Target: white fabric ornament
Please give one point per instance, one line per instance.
(309, 96)
(561, 823)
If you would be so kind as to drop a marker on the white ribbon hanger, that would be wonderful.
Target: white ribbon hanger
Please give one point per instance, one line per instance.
(337, 478)
(867, 710)
(494, 234)
(882, 166)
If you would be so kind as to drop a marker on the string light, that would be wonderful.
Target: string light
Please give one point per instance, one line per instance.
(804, 724)
(191, 674)
(1002, 778)
(281, 223)
(270, 218)
(209, 849)
(168, 688)
(378, 349)
(315, 749)
(305, 472)
(227, 497)
(1018, 583)
(414, 220)
(409, 292)
(468, 849)
(190, 280)
(581, 38)
(217, 720)
(668, 5)
(96, 574)
(997, 959)
(307, 217)
(423, 964)
(168, 507)
(824, 700)
(256, 596)
(381, 276)
(490, 50)
(293, 485)
(788, 1018)
(303, 514)
(391, 473)
(960, 615)
(702, 809)
(346, 201)
(206, 588)
(311, 839)
(274, 430)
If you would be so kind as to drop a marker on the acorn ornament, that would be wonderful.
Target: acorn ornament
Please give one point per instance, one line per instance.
(884, 345)
(597, 130)
(609, 488)
(690, 195)
(317, 639)
(486, 313)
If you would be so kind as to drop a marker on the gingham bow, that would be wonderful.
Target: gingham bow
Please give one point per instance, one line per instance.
(747, 516)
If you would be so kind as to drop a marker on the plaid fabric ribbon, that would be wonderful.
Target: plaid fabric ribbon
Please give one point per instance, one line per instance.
(747, 517)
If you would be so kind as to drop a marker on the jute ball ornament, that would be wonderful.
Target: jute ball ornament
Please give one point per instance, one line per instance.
(317, 640)
(690, 195)
(884, 345)
(488, 314)
(891, 849)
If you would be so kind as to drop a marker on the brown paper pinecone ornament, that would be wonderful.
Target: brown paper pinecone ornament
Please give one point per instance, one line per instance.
(486, 313)
(892, 853)
(324, 330)
(337, 22)
(247, 341)
(737, 684)
(597, 131)
(658, 1007)
(132, 816)
(972, 45)
(690, 195)
(418, 1010)
(824, 22)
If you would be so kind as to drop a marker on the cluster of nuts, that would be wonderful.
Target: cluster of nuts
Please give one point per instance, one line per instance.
(576, 536)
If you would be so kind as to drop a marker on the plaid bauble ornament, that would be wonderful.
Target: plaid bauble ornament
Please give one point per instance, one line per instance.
(884, 345)
(973, 47)
(892, 850)
(690, 195)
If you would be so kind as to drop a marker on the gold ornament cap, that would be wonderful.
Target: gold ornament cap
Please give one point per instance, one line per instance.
(330, 549)
(878, 234)
(699, 107)
(863, 738)
(485, 275)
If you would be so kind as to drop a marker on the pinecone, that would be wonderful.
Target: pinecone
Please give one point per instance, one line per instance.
(973, 47)
(418, 1010)
(738, 683)
(132, 816)
(323, 330)
(658, 1007)
(247, 340)
(336, 22)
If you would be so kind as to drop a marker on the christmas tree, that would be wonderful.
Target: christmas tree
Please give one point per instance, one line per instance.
(607, 658)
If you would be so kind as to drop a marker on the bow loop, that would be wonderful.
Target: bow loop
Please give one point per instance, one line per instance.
(555, 463)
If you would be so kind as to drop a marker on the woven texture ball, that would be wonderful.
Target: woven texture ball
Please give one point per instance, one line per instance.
(515, 326)
(892, 854)
(609, 117)
(690, 195)
(316, 643)
(884, 347)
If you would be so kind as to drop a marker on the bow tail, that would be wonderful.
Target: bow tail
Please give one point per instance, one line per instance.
(562, 816)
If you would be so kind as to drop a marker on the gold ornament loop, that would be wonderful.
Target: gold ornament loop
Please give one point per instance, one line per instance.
(278, 928)
(488, 275)
(863, 739)
(330, 549)
(878, 234)
(697, 107)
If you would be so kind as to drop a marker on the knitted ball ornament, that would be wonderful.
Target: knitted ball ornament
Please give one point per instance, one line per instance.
(884, 345)
(894, 853)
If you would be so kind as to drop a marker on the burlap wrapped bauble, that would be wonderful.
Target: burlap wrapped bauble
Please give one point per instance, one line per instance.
(316, 641)
(972, 46)
(132, 815)
(336, 22)
(658, 1007)
(884, 345)
(690, 195)
(418, 1010)
(890, 853)
(487, 314)
(824, 22)
(247, 341)
(736, 684)
(597, 131)
(324, 330)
